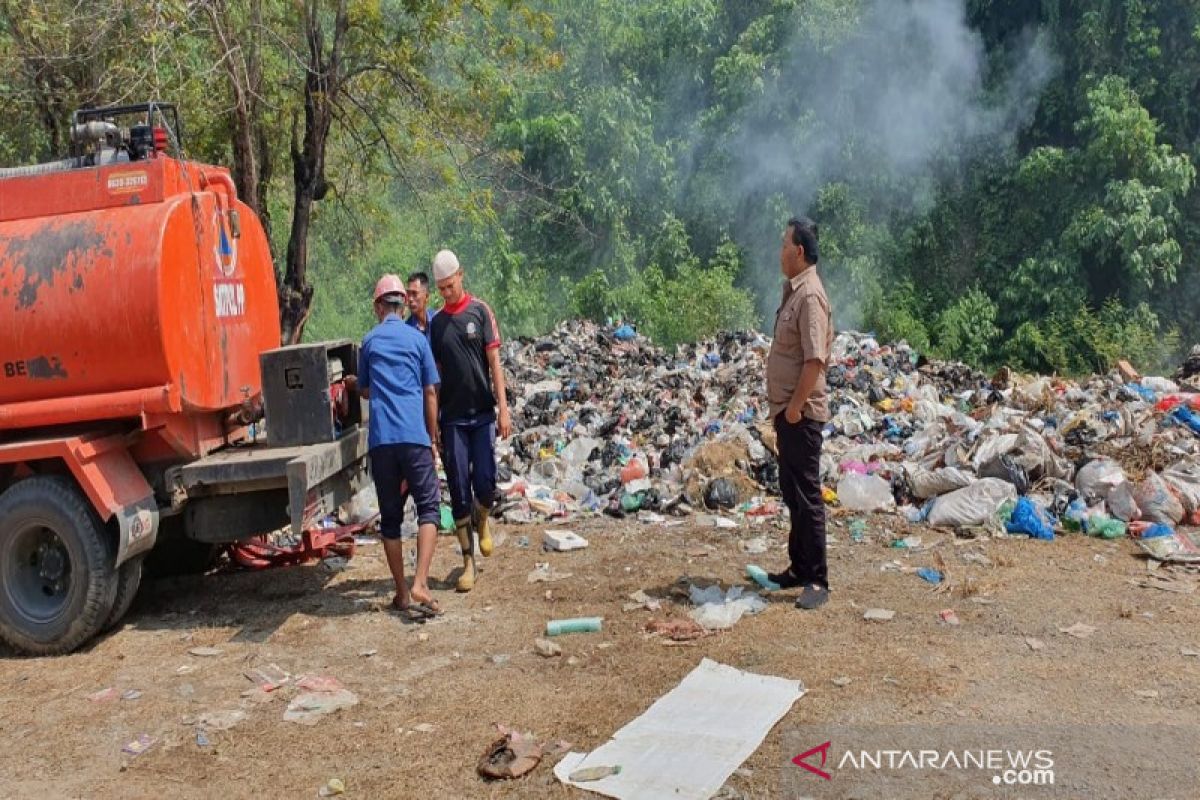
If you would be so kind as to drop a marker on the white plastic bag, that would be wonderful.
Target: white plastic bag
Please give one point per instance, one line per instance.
(972, 505)
(928, 483)
(865, 493)
(717, 611)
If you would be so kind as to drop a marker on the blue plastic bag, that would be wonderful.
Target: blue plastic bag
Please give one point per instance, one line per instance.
(1141, 391)
(930, 575)
(1156, 530)
(624, 333)
(1186, 417)
(1027, 518)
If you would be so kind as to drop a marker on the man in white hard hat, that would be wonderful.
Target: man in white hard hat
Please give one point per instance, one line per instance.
(398, 376)
(472, 404)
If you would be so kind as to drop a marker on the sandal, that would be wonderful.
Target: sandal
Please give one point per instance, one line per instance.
(415, 613)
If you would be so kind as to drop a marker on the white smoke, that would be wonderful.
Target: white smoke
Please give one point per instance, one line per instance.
(905, 94)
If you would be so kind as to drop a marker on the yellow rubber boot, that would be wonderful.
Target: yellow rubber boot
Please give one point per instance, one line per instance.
(483, 526)
(466, 581)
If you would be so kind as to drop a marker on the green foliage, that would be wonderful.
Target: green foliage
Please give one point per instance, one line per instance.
(1081, 341)
(966, 329)
(675, 299)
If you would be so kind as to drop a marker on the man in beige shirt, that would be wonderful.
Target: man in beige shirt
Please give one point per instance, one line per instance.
(799, 401)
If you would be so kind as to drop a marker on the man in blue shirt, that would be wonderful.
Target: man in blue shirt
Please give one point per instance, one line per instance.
(397, 375)
(420, 315)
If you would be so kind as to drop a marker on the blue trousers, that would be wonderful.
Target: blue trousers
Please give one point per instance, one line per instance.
(469, 454)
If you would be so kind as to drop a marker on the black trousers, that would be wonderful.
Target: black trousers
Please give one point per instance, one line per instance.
(800, 484)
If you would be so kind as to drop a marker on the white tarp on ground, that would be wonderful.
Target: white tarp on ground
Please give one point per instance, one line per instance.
(691, 740)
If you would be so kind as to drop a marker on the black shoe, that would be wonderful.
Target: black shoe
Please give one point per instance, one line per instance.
(785, 579)
(813, 596)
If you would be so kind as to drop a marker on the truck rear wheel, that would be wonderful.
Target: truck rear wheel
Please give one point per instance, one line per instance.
(57, 580)
(129, 578)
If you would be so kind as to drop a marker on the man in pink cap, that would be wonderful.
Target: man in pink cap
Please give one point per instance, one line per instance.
(398, 376)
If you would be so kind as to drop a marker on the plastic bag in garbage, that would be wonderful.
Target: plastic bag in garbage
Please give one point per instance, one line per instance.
(1103, 479)
(1184, 478)
(1157, 502)
(1028, 518)
(972, 505)
(927, 483)
(717, 610)
(858, 492)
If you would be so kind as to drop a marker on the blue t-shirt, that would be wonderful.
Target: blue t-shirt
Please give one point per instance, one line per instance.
(429, 315)
(396, 364)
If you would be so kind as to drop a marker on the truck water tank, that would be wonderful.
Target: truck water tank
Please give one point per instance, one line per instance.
(131, 281)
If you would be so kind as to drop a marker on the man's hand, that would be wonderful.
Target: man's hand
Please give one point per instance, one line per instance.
(504, 424)
(791, 415)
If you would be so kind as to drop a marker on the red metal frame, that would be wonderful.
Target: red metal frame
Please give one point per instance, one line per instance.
(315, 543)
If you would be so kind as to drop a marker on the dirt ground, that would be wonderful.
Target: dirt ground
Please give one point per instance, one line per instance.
(476, 666)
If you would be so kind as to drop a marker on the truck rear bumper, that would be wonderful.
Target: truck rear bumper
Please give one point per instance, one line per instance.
(241, 492)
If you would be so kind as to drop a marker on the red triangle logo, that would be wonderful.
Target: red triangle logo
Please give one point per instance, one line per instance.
(800, 761)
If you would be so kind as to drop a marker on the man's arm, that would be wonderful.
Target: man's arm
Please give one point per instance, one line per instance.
(504, 423)
(809, 374)
(431, 414)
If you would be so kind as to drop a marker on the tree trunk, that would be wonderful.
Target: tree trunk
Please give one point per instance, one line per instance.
(321, 87)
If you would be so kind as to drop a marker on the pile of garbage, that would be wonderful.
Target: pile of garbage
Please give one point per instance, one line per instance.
(606, 422)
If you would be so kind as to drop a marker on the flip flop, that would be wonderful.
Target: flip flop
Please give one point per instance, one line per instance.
(409, 613)
(428, 610)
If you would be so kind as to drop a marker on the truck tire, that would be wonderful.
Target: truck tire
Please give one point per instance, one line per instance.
(57, 581)
(129, 578)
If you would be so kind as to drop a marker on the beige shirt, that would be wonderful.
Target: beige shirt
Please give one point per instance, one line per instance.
(803, 332)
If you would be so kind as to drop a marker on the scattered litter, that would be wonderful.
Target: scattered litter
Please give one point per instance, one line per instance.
(202, 739)
(205, 652)
(185, 669)
(589, 774)
(500, 658)
(335, 563)
(139, 745)
(759, 576)
(367, 653)
(641, 600)
(544, 572)
(557, 627)
(841, 682)
(735, 709)
(221, 720)
(717, 610)
(1149, 694)
(1078, 630)
(104, 695)
(753, 547)
(678, 630)
(1189, 651)
(425, 727)
(324, 696)
(563, 541)
(514, 754)
(929, 575)
(130, 694)
(879, 614)
(547, 648)
(948, 616)
(1180, 546)
(1035, 644)
(332, 788)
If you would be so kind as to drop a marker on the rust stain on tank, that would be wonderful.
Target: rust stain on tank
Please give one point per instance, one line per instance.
(47, 254)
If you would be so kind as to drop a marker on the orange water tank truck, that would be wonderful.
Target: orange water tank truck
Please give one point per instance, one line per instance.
(139, 349)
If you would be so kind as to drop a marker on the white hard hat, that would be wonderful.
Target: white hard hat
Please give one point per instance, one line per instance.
(445, 264)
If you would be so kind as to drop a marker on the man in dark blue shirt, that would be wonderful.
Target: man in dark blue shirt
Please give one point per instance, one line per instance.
(397, 374)
(420, 315)
(473, 407)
